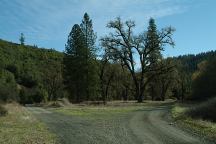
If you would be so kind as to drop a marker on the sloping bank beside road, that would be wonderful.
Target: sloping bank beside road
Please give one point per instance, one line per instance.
(199, 126)
(21, 127)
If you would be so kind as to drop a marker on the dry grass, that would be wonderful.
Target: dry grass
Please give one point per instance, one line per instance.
(92, 110)
(58, 103)
(205, 111)
(20, 127)
(121, 103)
(203, 127)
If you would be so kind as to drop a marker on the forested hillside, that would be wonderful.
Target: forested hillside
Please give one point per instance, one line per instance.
(191, 61)
(187, 66)
(27, 72)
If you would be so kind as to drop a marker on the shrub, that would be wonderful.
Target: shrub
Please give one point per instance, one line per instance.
(13, 69)
(34, 95)
(205, 111)
(40, 95)
(28, 80)
(24, 97)
(3, 111)
(204, 81)
(8, 87)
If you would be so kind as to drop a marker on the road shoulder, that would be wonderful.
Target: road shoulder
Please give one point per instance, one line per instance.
(21, 127)
(201, 128)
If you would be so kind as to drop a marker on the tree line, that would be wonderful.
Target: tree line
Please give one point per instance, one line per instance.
(122, 47)
(131, 65)
(126, 66)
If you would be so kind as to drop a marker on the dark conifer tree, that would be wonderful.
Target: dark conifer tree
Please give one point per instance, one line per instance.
(74, 65)
(153, 43)
(89, 34)
(90, 58)
(22, 39)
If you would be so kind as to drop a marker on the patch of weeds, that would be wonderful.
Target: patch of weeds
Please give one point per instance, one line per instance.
(205, 111)
(3, 111)
(181, 114)
(20, 127)
(178, 112)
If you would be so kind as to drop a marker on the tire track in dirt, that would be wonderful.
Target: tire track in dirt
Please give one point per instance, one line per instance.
(153, 126)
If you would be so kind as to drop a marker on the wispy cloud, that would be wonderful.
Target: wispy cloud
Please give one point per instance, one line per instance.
(51, 20)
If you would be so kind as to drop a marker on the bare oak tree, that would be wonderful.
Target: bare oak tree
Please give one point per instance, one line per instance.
(124, 46)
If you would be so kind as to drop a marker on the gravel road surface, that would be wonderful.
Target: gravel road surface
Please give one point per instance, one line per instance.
(150, 125)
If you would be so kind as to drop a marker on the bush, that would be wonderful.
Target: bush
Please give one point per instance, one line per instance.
(28, 80)
(8, 87)
(34, 95)
(24, 97)
(40, 95)
(205, 111)
(3, 111)
(13, 69)
(204, 81)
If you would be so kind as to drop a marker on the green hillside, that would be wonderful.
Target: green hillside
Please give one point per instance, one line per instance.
(27, 68)
(190, 62)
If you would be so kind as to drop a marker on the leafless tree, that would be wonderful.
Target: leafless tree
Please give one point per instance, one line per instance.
(126, 47)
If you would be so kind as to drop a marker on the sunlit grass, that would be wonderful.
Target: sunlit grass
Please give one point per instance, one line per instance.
(115, 108)
(96, 112)
(178, 111)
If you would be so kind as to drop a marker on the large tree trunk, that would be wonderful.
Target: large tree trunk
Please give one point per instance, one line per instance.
(163, 91)
(77, 94)
(140, 95)
(183, 92)
(140, 99)
(108, 84)
(137, 94)
(103, 93)
(142, 87)
(165, 87)
(125, 94)
(102, 88)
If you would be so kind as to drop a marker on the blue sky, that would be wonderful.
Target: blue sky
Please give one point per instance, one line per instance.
(47, 23)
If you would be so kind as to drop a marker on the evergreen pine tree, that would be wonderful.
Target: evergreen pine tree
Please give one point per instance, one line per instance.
(91, 63)
(153, 46)
(90, 36)
(153, 43)
(22, 39)
(74, 65)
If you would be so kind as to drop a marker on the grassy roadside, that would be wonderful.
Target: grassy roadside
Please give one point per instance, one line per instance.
(203, 127)
(111, 109)
(20, 127)
(114, 108)
(96, 112)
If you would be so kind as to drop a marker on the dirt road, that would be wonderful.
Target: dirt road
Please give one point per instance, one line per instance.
(153, 126)
(146, 126)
